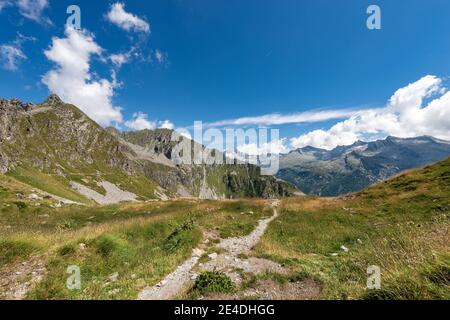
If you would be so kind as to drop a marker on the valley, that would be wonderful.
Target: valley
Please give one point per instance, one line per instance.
(320, 247)
(134, 224)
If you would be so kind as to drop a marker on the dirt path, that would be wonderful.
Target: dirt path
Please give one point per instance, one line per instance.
(16, 281)
(227, 261)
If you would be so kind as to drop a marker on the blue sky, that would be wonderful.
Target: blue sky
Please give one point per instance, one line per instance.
(221, 60)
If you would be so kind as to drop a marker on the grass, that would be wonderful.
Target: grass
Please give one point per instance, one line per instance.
(401, 225)
(53, 184)
(12, 251)
(140, 242)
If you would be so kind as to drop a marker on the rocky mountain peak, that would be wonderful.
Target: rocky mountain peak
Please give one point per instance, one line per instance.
(53, 100)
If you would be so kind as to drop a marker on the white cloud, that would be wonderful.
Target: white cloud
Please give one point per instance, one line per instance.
(140, 121)
(125, 20)
(73, 81)
(119, 59)
(166, 124)
(404, 116)
(273, 147)
(33, 10)
(278, 119)
(10, 56)
(161, 57)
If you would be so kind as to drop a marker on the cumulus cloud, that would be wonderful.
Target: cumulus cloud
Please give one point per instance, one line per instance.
(272, 147)
(125, 20)
(405, 115)
(166, 124)
(140, 121)
(73, 81)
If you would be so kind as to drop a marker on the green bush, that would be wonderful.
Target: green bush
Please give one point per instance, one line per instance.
(212, 281)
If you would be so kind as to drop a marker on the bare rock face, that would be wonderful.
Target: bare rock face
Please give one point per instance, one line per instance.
(53, 100)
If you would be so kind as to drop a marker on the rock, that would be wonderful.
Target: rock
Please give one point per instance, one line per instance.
(114, 291)
(194, 277)
(213, 256)
(114, 276)
(334, 254)
(344, 248)
(82, 246)
(19, 195)
(34, 196)
(197, 252)
(359, 241)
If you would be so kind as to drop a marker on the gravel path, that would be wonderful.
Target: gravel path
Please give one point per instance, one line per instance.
(16, 281)
(239, 245)
(186, 273)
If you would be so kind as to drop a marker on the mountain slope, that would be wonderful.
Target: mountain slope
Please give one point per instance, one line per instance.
(400, 226)
(57, 148)
(351, 168)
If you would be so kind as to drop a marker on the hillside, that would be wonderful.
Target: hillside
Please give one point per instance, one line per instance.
(315, 248)
(352, 168)
(56, 148)
(401, 225)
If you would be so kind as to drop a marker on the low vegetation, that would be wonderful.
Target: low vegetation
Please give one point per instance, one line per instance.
(401, 226)
(213, 282)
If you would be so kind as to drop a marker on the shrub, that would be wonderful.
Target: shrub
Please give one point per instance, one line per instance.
(213, 281)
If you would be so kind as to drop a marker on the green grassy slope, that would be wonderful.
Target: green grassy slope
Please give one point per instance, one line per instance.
(401, 225)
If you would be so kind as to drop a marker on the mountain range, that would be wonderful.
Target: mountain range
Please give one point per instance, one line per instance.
(352, 168)
(55, 147)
